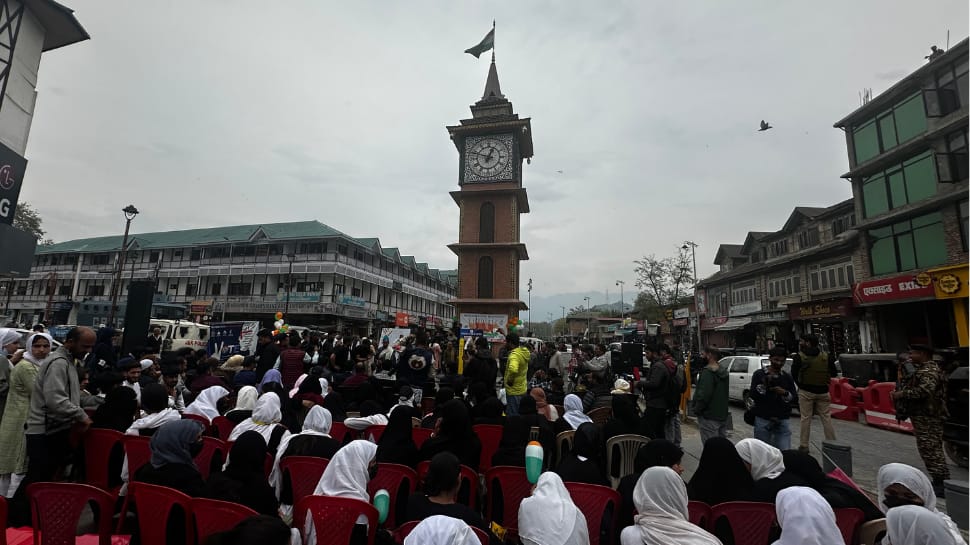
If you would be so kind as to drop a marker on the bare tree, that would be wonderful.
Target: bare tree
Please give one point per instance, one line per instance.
(665, 280)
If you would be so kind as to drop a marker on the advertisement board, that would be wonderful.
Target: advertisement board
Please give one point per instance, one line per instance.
(12, 167)
(230, 338)
(491, 324)
(897, 288)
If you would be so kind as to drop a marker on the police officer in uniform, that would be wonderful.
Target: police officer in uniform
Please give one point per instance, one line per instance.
(812, 370)
(923, 398)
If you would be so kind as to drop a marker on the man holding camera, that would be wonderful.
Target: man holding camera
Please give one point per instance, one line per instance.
(773, 390)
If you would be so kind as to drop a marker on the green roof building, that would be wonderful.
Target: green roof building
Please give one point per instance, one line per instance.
(316, 274)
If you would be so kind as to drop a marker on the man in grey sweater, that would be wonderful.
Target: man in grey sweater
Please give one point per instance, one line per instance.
(55, 411)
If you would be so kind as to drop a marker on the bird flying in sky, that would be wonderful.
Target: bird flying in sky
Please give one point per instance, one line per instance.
(764, 126)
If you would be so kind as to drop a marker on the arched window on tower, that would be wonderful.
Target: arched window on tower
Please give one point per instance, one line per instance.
(485, 277)
(486, 223)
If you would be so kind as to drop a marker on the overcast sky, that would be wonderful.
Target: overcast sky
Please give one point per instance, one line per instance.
(212, 113)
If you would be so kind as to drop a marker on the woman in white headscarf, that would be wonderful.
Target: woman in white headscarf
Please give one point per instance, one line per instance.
(316, 425)
(806, 518)
(9, 345)
(245, 403)
(660, 498)
(767, 467)
(901, 484)
(914, 525)
(265, 420)
(13, 453)
(346, 476)
(573, 412)
(549, 516)
(442, 530)
(207, 402)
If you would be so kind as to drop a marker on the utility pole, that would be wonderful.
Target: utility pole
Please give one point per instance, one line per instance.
(622, 306)
(587, 315)
(564, 328)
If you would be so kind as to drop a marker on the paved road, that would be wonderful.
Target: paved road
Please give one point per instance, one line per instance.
(871, 447)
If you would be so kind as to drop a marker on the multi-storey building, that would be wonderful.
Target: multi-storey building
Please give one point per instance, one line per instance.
(315, 273)
(907, 151)
(778, 285)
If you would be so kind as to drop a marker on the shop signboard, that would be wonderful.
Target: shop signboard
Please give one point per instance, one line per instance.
(200, 307)
(351, 301)
(680, 322)
(745, 308)
(838, 308)
(401, 319)
(711, 323)
(681, 313)
(888, 290)
(950, 282)
(299, 296)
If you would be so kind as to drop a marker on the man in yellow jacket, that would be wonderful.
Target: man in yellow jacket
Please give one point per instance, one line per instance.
(515, 374)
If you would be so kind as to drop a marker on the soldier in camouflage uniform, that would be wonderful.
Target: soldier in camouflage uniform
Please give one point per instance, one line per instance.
(923, 398)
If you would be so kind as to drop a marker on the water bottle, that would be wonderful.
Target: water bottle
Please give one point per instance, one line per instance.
(533, 461)
(382, 501)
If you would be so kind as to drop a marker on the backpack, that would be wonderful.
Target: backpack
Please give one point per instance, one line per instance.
(676, 385)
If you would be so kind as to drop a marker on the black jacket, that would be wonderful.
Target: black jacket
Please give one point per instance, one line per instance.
(768, 404)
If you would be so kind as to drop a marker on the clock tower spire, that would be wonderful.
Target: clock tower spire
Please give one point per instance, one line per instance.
(492, 146)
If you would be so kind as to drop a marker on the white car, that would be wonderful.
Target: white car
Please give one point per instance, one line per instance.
(740, 370)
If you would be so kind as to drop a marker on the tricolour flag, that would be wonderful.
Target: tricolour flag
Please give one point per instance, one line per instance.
(488, 42)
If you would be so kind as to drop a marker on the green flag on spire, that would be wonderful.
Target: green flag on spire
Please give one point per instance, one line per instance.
(488, 42)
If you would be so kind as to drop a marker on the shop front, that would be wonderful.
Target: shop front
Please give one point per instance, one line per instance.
(905, 311)
(950, 284)
(835, 321)
(772, 328)
(712, 337)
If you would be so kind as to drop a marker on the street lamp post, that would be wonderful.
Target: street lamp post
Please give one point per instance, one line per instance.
(529, 322)
(693, 253)
(587, 315)
(130, 212)
(289, 284)
(622, 306)
(564, 328)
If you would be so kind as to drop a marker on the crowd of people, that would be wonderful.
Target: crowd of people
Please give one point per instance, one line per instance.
(285, 399)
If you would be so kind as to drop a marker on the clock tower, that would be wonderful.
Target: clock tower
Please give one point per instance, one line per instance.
(491, 145)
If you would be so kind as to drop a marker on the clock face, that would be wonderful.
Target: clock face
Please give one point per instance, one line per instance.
(488, 158)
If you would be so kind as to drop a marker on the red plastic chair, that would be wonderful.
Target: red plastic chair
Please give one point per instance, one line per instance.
(420, 435)
(55, 509)
(334, 518)
(138, 451)
(376, 431)
(399, 481)
(214, 516)
(223, 427)
(304, 473)
(468, 479)
(154, 505)
(340, 432)
(510, 484)
(593, 501)
(206, 424)
(848, 519)
(408, 527)
(98, 444)
(3, 520)
(750, 522)
(699, 513)
(213, 452)
(490, 435)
